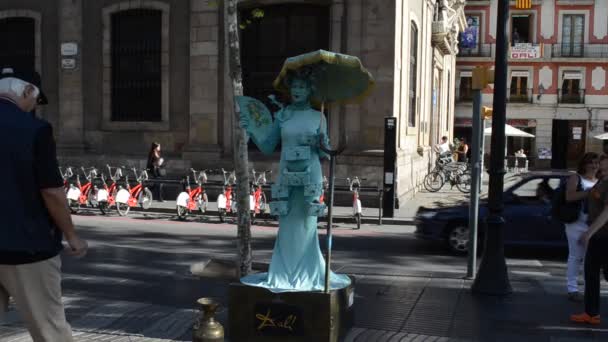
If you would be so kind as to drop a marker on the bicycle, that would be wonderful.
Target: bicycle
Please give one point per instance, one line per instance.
(457, 174)
(80, 194)
(193, 199)
(257, 198)
(66, 177)
(225, 200)
(354, 186)
(132, 196)
(106, 197)
(325, 187)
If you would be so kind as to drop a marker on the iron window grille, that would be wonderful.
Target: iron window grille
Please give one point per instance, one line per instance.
(18, 43)
(136, 51)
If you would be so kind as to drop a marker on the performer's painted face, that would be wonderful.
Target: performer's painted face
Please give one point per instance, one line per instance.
(300, 90)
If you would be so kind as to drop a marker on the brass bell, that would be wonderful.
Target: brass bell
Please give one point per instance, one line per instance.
(207, 329)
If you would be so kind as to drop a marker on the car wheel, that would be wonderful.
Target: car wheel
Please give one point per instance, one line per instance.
(458, 239)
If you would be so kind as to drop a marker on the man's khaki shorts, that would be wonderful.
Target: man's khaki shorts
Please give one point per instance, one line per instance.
(36, 289)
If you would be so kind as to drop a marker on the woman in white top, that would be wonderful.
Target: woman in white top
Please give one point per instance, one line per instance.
(577, 189)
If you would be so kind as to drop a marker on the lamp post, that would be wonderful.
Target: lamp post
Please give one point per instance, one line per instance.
(493, 277)
(482, 76)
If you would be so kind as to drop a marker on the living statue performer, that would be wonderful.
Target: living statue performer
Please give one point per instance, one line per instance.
(297, 262)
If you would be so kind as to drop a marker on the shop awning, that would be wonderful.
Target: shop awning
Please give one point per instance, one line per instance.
(510, 131)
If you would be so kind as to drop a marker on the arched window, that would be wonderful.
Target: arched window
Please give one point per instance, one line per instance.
(18, 43)
(413, 93)
(136, 49)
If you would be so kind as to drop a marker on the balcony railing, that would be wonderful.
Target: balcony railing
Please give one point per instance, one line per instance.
(519, 95)
(480, 50)
(580, 50)
(574, 96)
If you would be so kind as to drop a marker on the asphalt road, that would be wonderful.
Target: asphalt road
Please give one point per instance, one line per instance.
(146, 257)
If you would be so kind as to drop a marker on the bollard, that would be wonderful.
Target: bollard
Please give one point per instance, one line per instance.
(380, 195)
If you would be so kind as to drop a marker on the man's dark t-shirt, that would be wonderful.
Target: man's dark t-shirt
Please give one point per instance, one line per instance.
(29, 165)
(598, 200)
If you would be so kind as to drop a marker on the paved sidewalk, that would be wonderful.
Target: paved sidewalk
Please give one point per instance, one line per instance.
(386, 309)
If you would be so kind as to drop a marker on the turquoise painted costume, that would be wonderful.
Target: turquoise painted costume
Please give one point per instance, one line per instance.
(297, 262)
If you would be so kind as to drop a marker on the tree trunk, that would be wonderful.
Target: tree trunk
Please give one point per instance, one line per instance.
(241, 162)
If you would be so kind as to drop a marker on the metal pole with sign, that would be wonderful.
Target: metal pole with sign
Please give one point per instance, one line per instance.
(390, 157)
(476, 156)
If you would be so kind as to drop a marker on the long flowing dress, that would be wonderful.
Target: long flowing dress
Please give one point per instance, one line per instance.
(297, 262)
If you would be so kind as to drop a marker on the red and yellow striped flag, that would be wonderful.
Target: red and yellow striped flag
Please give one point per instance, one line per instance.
(523, 4)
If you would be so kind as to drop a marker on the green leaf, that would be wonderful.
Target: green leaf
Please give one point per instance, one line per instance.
(257, 13)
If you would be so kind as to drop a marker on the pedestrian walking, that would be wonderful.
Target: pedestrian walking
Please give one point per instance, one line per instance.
(577, 190)
(34, 211)
(596, 240)
(155, 166)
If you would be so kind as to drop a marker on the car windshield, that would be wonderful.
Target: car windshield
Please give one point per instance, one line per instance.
(540, 188)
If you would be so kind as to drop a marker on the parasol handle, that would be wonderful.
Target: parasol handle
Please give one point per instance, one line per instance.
(273, 99)
(332, 165)
(330, 152)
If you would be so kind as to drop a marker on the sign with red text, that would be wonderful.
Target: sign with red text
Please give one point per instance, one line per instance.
(525, 51)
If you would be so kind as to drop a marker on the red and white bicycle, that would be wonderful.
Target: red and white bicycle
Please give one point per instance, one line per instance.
(193, 198)
(132, 196)
(225, 200)
(354, 186)
(66, 175)
(106, 196)
(83, 194)
(257, 198)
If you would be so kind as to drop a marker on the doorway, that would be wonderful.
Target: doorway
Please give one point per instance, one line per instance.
(567, 143)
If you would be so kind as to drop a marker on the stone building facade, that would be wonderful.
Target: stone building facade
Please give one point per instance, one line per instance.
(556, 76)
(121, 74)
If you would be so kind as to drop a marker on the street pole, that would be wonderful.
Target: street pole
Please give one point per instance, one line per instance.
(476, 157)
(493, 278)
(483, 150)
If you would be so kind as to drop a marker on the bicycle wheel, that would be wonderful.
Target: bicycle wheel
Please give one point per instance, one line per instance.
(103, 207)
(263, 204)
(203, 202)
(182, 212)
(464, 182)
(123, 209)
(74, 206)
(222, 214)
(433, 181)
(92, 199)
(146, 199)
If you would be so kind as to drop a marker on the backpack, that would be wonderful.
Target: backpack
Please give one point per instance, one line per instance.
(561, 210)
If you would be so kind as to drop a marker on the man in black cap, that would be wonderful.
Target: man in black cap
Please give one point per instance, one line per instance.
(34, 212)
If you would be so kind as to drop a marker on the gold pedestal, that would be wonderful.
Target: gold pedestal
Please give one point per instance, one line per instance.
(256, 314)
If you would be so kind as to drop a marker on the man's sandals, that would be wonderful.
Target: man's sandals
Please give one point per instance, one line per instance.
(585, 318)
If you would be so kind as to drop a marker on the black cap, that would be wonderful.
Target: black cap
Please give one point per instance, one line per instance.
(31, 77)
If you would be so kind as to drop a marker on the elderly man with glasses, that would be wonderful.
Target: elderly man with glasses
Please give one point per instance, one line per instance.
(34, 212)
